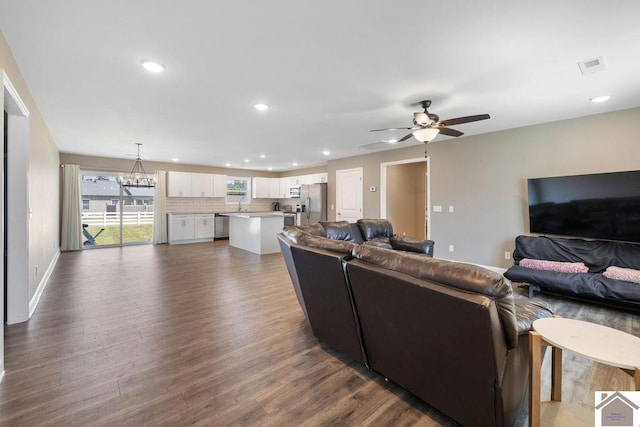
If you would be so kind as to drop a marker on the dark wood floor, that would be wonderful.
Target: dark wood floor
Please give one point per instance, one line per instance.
(210, 335)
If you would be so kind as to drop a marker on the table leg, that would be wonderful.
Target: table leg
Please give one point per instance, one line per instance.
(535, 360)
(636, 376)
(556, 374)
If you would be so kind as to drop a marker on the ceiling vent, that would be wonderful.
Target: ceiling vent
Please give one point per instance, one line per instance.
(590, 66)
(375, 145)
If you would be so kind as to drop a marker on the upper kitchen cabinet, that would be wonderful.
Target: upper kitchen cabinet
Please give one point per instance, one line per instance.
(219, 185)
(201, 185)
(319, 177)
(187, 184)
(179, 184)
(265, 188)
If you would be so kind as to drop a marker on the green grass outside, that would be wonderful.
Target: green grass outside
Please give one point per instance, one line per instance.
(130, 234)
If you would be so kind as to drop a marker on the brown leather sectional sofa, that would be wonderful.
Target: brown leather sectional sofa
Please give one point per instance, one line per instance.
(451, 333)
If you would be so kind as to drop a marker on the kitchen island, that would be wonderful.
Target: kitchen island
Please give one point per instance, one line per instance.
(255, 231)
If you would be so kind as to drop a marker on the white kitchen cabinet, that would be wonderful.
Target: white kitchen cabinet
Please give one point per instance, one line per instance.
(284, 188)
(179, 184)
(319, 177)
(204, 226)
(201, 185)
(265, 188)
(306, 179)
(219, 185)
(188, 184)
(181, 228)
(274, 188)
(260, 188)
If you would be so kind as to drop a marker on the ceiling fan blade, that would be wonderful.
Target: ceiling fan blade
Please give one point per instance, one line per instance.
(466, 119)
(404, 138)
(378, 130)
(450, 132)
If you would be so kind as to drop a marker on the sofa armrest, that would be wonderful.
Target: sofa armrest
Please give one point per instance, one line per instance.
(528, 311)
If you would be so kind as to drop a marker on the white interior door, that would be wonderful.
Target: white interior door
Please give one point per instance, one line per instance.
(349, 194)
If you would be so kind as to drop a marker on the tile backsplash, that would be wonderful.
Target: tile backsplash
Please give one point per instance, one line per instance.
(218, 204)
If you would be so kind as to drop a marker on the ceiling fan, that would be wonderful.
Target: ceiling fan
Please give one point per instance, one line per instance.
(428, 125)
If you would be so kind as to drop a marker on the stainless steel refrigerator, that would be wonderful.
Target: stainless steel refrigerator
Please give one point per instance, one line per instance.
(313, 203)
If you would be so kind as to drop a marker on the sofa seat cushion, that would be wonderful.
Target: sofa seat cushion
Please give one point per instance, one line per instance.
(580, 285)
(468, 277)
(372, 228)
(409, 244)
(528, 311)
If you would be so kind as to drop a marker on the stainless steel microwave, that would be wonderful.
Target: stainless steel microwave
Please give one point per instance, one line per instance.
(294, 191)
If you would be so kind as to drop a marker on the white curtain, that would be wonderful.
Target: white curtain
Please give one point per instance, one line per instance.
(71, 239)
(160, 208)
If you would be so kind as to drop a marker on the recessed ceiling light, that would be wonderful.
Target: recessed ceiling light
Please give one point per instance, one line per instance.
(246, 160)
(326, 153)
(270, 168)
(228, 165)
(262, 156)
(152, 66)
(392, 141)
(174, 160)
(602, 98)
(261, 107)
(294, 164)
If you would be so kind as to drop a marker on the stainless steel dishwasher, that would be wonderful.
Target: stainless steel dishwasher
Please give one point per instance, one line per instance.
(221, 227)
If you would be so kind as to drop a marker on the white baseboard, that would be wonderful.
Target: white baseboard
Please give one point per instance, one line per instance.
(43, 284)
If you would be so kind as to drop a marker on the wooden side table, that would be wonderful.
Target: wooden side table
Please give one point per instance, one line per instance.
(596, 342)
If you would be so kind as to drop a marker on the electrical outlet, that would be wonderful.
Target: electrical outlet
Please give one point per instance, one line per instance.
(450, 209)
(507, 255)
(450, 248)
(437, 208)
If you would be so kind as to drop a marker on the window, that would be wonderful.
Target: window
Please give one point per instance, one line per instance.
(238, 189)
(85, 204)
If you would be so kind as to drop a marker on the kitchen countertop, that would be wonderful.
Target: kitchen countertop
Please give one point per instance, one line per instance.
(252, 214)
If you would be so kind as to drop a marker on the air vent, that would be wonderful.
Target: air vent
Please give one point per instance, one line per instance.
(374, 145)
(590, 66)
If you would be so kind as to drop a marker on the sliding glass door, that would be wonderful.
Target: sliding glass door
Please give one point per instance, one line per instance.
(113, 215)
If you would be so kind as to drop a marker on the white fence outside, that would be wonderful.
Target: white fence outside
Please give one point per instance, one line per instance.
(112, 219)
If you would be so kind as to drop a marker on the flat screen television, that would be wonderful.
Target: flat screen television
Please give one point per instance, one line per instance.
(602, 206)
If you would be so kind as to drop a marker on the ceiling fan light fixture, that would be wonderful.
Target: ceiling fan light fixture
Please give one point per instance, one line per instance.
(421, 119)
(426, 135)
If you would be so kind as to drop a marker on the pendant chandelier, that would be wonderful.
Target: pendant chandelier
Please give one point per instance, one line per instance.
(138, 177)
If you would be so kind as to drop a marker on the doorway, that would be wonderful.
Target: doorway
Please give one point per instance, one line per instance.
(114, 215)
(404, 196)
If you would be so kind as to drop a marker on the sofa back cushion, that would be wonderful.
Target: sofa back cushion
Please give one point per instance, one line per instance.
(340, 230)
(467, 277)
(409, 244)
(595, 254)
(372, 228)
(342, 246)
(293, 232)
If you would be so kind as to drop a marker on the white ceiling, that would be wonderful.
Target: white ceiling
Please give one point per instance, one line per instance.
(330, 71)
